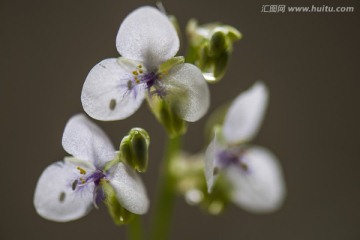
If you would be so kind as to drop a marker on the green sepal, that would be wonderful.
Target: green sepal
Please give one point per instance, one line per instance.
(166, 113)
(118, 213)
(134, 149)
(166, 66)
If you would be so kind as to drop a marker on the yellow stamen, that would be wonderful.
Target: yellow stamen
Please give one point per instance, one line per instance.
(140, 71)
(140, 66)
(135, 73)
(81, 170)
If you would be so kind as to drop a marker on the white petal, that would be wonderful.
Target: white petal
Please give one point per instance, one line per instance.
(54, 197)
(106, 95)
(262, 189)
(129, 188)
(86, 141)
(210, 159)
(245, 115)
(187, 87)
(148, 36)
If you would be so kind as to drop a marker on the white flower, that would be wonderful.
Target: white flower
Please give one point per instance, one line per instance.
(254, 173)
(67, 190)
(115, 88)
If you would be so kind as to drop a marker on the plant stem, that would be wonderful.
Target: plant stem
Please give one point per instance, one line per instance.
(135, 229)
(161, 221)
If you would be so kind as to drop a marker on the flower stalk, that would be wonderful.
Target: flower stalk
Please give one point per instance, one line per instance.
(135, 230)
(166, 194)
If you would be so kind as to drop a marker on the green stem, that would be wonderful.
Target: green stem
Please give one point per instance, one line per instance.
(161, 222)
(135, 229)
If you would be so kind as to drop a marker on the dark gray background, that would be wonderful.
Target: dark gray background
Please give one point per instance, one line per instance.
(310, 61)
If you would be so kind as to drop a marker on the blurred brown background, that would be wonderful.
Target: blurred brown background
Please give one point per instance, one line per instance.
(310, 61)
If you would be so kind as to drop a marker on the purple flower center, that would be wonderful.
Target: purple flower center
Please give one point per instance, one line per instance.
(151, 80)
(232, 157)
(227, 158)
(95, 177)
(153, 84)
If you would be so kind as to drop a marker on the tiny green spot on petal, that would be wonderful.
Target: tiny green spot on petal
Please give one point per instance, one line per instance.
(74, 185)
(62, 197)
(112, 104)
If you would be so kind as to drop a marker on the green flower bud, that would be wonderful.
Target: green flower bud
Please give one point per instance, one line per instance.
(218, 44)
(166, 114)
(211, 47)
(119, 214)
(134, 149)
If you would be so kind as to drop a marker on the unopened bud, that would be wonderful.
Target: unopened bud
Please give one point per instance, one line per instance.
(134, 149)
(218, 44)
(211, 47)
(166, 113)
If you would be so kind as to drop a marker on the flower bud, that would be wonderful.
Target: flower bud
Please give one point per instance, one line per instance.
(218, 44)
(134, 149)
(211, 47)
(166, 114)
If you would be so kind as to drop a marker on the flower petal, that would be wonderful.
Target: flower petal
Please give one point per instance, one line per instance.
(188, 89)
(211, 167)
(245, 115)
(210, 157)
(148, 36)
(261, 189)
(107, 95)
(129, 188)
(54, 197)
(86, 141)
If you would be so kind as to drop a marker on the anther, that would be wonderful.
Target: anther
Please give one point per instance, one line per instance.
(135, 73)
(140, 66)
(81, 170)
(82, 181)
